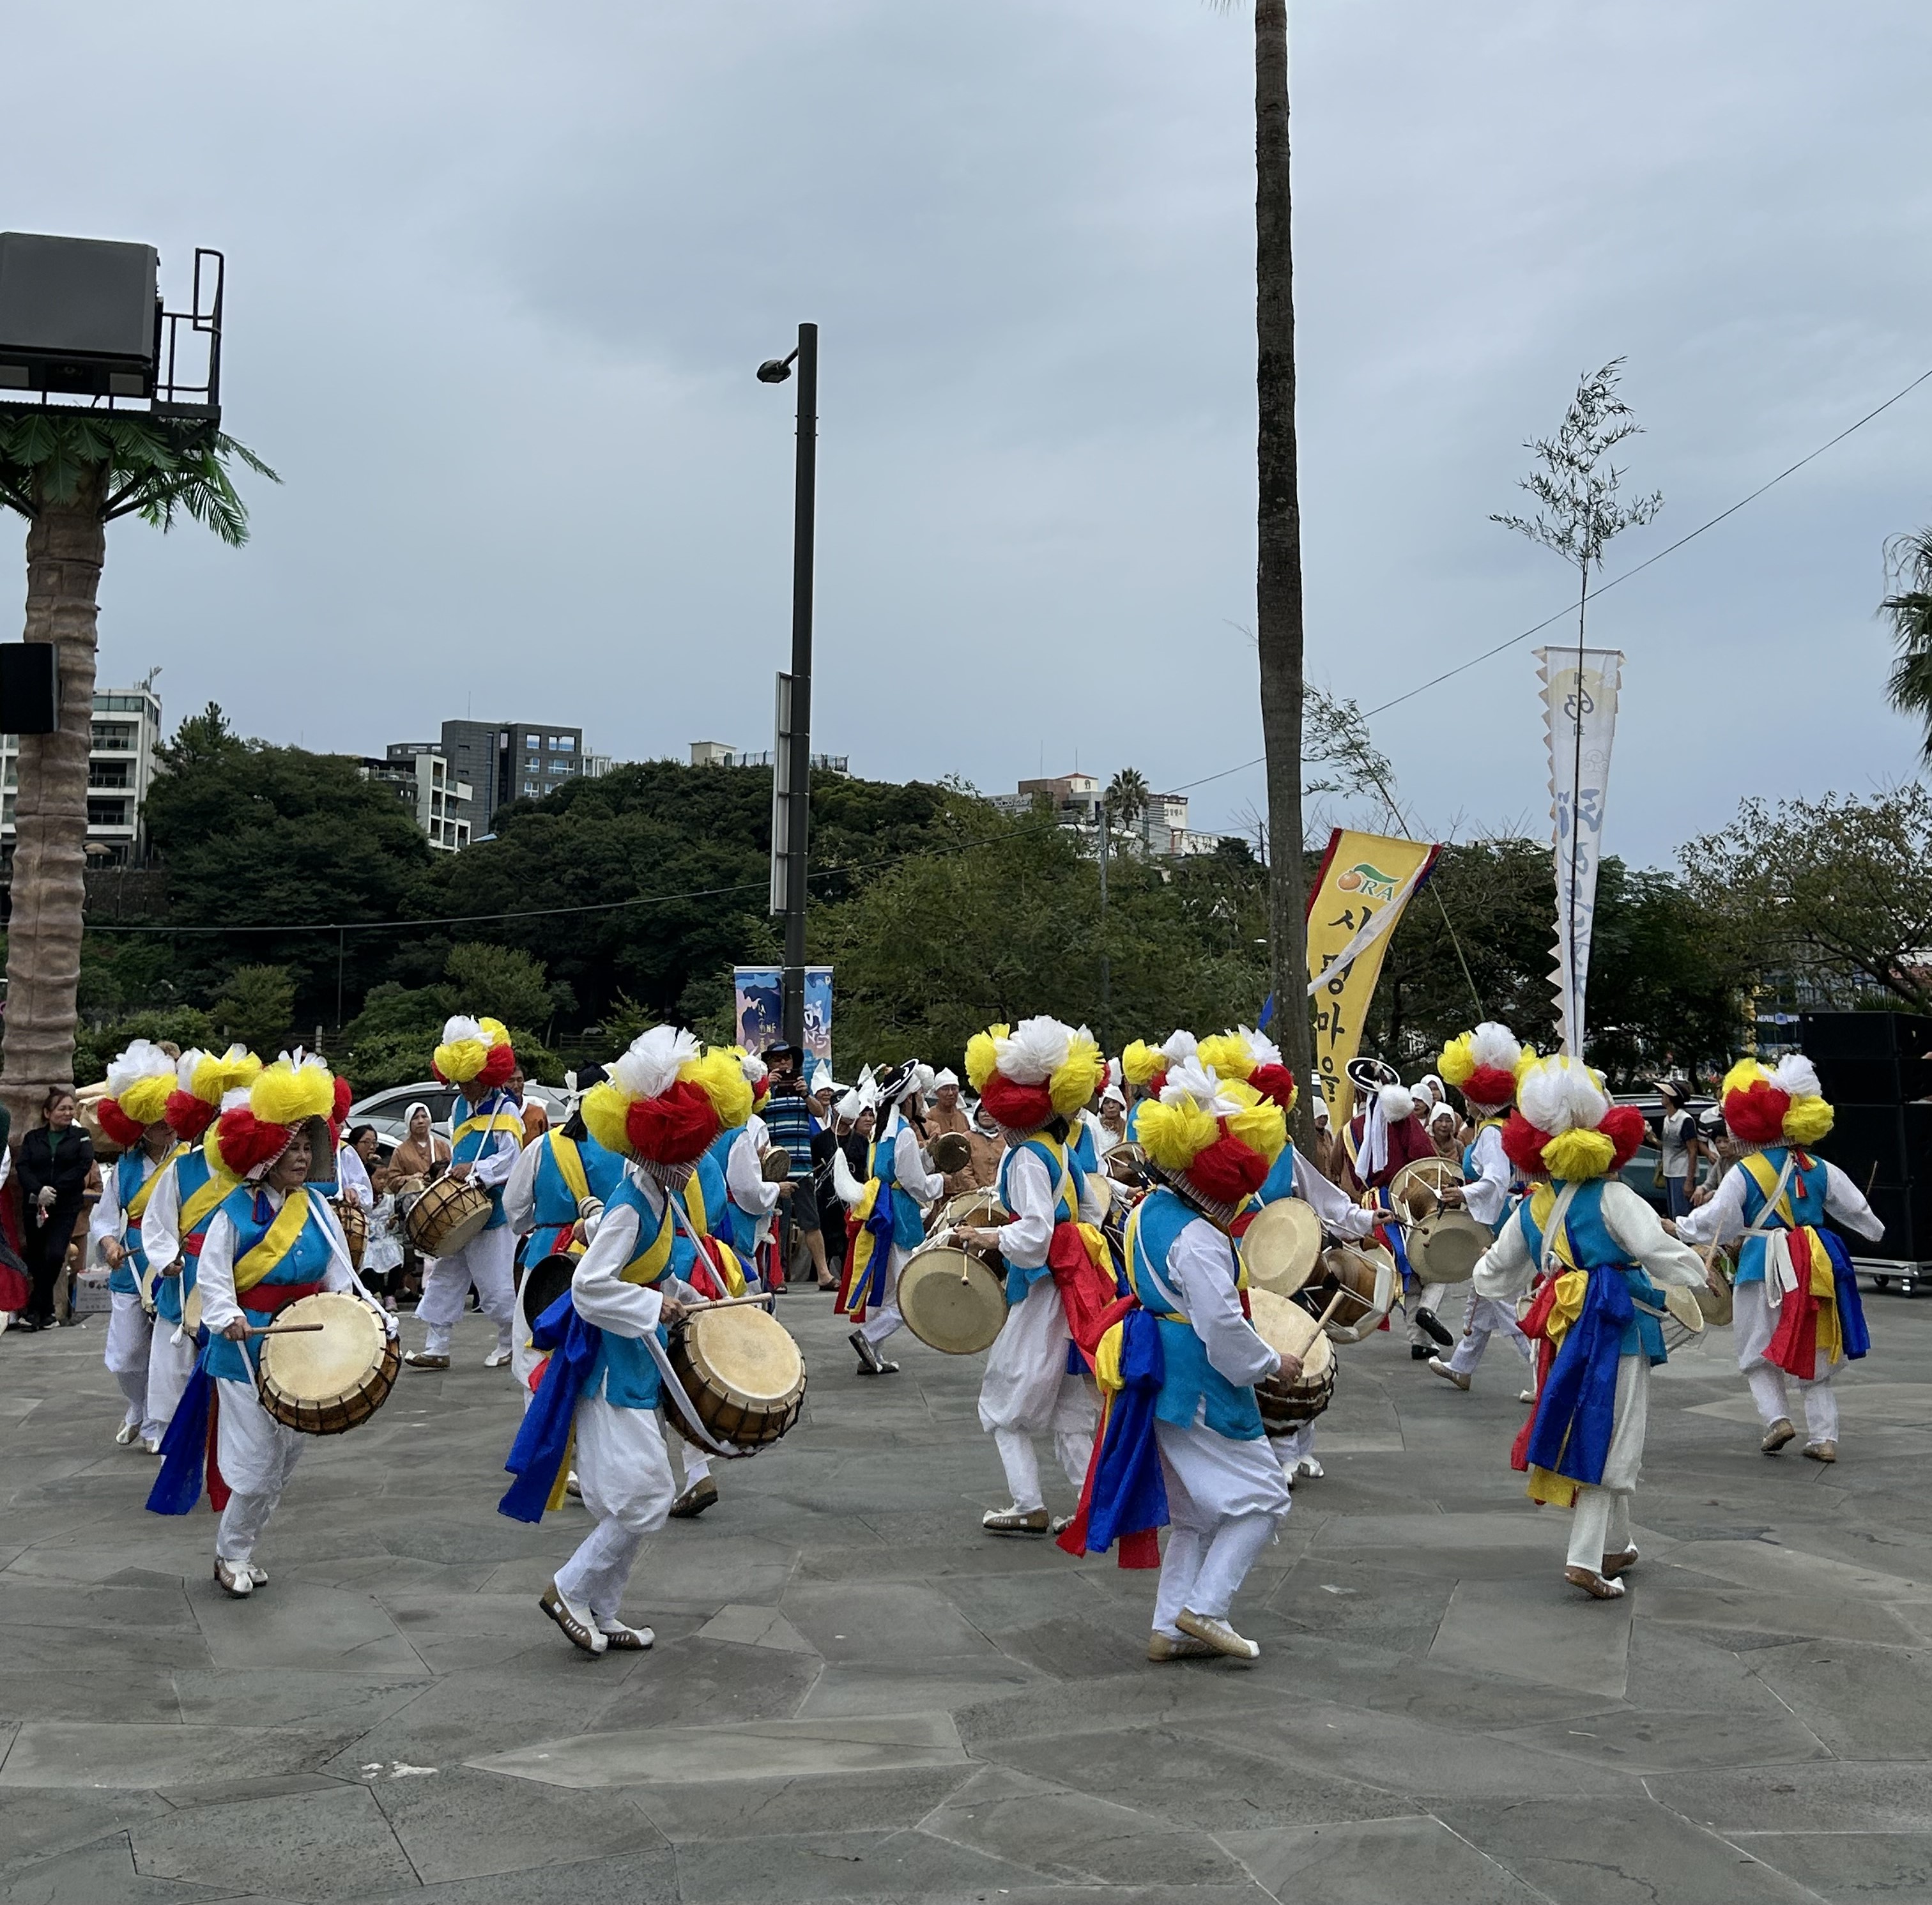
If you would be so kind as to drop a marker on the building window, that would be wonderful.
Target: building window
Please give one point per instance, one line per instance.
(107, 813)
(108, 773)
(113, 737)
(531, 787)
(563, 743)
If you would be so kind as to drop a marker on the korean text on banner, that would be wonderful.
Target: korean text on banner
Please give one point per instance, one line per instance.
(1365, 881)
(1579, 707)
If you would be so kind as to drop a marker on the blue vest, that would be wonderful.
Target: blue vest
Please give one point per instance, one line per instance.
(1083, 1151)
(625, 1373)
(1805, 1189)
(131, 1170)
(1133, 1124)
(908, 1226)
(468, 1150)
(250, 1211)
(1066, 1178)
(730, 1223)
(191, 1173)
(555, 1203)
(1188, 1378)
(1598, 1251)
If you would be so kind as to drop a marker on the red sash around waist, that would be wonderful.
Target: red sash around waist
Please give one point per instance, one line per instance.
(271, 1299)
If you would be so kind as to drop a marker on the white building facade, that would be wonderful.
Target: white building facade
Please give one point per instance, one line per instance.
(121, 766)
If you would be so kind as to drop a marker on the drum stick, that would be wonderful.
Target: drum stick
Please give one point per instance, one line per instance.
(285, 1329)
(1334, 1304)
(763, 1299)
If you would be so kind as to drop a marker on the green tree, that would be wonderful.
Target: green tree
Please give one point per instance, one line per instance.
(256, 836)
(256, 1004)
(1909, 606)
(390, 1041)
(70, 475)
(97, 1044)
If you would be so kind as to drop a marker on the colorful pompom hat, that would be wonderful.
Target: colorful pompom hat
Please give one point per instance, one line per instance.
(1028, 1074)
(284, 1100)
(1564, 1125)
(473, 1048)
(1253, 1059)
(665, 1100)
(139, 1083)
(1483, 1065)
(1218, 1136)
(203, 1082)
(1783, 1104)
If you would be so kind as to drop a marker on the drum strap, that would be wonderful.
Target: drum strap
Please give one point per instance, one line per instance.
(570, 1166)
(675, 1389)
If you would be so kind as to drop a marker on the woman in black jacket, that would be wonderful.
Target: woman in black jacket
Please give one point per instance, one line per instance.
(54, 1158)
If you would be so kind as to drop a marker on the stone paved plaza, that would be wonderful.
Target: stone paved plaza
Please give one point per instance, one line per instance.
(855, 1694)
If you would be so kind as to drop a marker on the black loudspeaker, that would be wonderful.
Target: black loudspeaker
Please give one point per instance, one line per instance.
(1875, 1080)
(29, 688)
(1827, 1036)
(1906, 1214)
(1887, 1145)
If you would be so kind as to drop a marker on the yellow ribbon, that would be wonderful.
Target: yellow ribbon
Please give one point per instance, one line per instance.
(202, 1205)
(570, 1166)
(137, 1204)
(255, 1263)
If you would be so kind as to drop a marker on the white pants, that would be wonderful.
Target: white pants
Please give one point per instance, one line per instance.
(1294, 1449)
(488, 1260)
(1225, 1500)
(1601, 1526)
(624, 1474)
(1486, 1318)
(1754, 1321)
(128, 1330)
(686, 1459)
(1430, 1297)
(170, 1363)
(1028, 1389)
(886, 1319)
(257, 1455)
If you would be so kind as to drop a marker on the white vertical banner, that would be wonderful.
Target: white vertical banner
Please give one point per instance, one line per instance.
(1580, 709)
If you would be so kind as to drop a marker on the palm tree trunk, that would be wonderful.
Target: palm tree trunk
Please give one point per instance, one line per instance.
(66, 546)
(1278, 606)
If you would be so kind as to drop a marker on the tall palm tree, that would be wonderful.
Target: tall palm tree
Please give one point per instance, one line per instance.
(1127, 797)
(1909, 688)
(1278, 595)
(70, 475)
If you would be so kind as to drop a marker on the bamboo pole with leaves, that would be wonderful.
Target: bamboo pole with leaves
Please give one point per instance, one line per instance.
(70, 475)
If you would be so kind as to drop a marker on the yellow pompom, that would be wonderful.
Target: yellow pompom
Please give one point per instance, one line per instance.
(1808, 1119)
(495, 1030)
(1457, 1065)
(1260, 1126)
(288, 1094)
(718, 1074)
(1745, 1073)
(145, 1101)
(218, 1075)
(1175, 1135)
(1076, 1081)
(1526, 1062)
(1226, 1055)
(461, 1060)
(982, 1054)
(1575, 1155)
(1141, 1061)
(604, 1108)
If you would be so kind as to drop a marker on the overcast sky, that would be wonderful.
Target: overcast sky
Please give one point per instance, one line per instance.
(499, 277)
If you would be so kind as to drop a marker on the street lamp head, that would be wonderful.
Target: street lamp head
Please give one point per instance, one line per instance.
(775, 370)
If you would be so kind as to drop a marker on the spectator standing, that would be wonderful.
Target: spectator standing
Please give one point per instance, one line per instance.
(789, 1123)
(56, 1158)
(1678, 1146)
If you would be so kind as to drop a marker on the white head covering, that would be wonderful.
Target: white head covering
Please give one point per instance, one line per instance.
(1391, 1104)
(1434, 1086)
(944, 1078)
(1114, 1095)
(1445, 1110)
(821, 1078)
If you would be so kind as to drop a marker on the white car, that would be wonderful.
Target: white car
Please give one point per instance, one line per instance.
(385, 1109)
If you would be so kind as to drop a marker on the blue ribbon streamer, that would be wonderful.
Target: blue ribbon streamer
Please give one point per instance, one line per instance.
(1128, 1492)
(537, 1453)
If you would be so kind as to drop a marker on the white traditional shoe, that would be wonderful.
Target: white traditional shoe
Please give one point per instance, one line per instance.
(237, 1583)
(1824, 1451)
(1176, 1647)
(1593, 1584)
(572, 1486)
(1310, 1467)
(497, 1359)
(1526, 1396)
(621, 1639)
(1061, 1524)
(1448, 1374)
(1217, 1633)
(128, 1434)
(578, 1628)
(1014, 1521)
(1621, 1563)
(150, 1444)
(1780, 1433)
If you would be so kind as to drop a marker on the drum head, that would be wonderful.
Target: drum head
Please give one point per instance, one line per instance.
(1126, 1163)
(951, 1301)
(544, 1283)
(1684, 1306)
(950, 1152)
(775, 1167)
(319, 1368)
(1446, 1247)
(1715, 1305)
(1281, 1246)
(979, 1208)
(747, 1352)
(1104, 1193)
(1416, 1190)
(1289, 1330)
(191, 1311)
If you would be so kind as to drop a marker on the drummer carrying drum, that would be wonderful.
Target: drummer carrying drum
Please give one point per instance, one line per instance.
(1483, 1065)
(1033, 1080)
(273, 1241)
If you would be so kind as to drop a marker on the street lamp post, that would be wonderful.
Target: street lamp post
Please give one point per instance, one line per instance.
(797, 740)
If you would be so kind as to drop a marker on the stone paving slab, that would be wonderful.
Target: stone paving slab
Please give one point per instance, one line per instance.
(856, 1695)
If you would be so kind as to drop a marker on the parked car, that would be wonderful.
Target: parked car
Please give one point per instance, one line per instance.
(1640, 1174)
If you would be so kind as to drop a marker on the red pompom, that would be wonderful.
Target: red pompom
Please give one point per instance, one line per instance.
(116, 1126)
(1523, 1145)
(1490, 1086)
(246, 1142)
(344, 1097)
(498, 1066)
(1275, 1082)
(188, 1117)
(1756, 1116)
(1624, 1126)
(673, 1128)
(1228, 1170)
(1017, 1107)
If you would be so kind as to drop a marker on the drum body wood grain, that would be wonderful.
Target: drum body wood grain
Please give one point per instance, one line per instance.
(982, 1209)
(354, 1229)
(1287, 1403)
(953, 1298)
(743, 1371)
(335, 1379)
(450, 1213)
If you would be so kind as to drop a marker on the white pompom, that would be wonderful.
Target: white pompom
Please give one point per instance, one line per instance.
(650, 1068)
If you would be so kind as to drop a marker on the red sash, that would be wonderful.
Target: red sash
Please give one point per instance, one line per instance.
(271, 1299)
